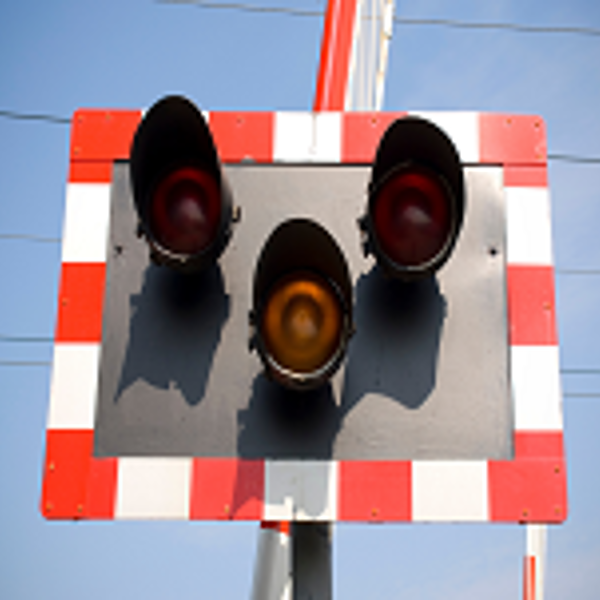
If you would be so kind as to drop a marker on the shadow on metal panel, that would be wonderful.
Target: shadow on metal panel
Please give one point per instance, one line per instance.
(179, 317)
(395, 350)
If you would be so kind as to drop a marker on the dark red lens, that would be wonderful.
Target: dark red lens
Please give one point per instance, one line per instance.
(186, 211)
(412, 216)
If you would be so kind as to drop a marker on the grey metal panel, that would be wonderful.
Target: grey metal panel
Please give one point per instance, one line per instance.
(426, 376)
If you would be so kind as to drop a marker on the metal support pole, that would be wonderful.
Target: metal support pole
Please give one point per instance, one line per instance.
(272, 573)
(311, 561)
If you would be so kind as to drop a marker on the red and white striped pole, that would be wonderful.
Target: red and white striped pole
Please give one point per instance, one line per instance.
(336, 49)
(534, 562)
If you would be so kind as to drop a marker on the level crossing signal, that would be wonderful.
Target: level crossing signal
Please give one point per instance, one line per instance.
(276, 316)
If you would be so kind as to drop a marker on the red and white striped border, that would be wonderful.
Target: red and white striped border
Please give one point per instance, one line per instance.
(529, 488)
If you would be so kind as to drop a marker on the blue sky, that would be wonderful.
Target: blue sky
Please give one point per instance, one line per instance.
(56, 57)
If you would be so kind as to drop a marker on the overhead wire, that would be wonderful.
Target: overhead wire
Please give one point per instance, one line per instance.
(25, 363)
(25, 339)
(19, 116)
(436, 22)
(29, 238)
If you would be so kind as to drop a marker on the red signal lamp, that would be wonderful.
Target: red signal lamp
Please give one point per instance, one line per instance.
(184, 208)
(302, 305)
(416, 200)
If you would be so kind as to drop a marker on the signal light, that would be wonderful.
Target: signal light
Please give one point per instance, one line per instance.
(184, 206)
(302, 305)
(416, 200)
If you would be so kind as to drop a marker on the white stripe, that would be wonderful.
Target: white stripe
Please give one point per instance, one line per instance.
(300, 490)
(308, 137)
(528, 226)
(73, 386)
(461, 127)
(449, 491)
(87, 215)
(153, 488)
(536, 388)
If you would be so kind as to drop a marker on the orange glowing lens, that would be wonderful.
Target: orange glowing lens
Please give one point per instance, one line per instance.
(302, 323)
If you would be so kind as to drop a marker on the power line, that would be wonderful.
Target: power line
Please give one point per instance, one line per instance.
(517, 27)
(19, 339)
(29, 238)
(453, 23)
(11, 114)
(251, 8)
(25, 363)
(574, 158)
(578, 271)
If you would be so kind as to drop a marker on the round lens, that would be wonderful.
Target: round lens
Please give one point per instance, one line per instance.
(412, 216)
(302, 323)
(185, 211)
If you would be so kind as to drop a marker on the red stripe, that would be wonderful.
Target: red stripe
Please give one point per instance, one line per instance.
(361, 134)
(539, 444)
(336, 48)
(80, 302)
(528, 490)
(243, 135)
(518, 176)
(66, 471)
(375, 491)
(531, 307)
(227, 488)
(104, 135)
(512, 139)
(90, 171)
(101, 488)
(529, 578)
